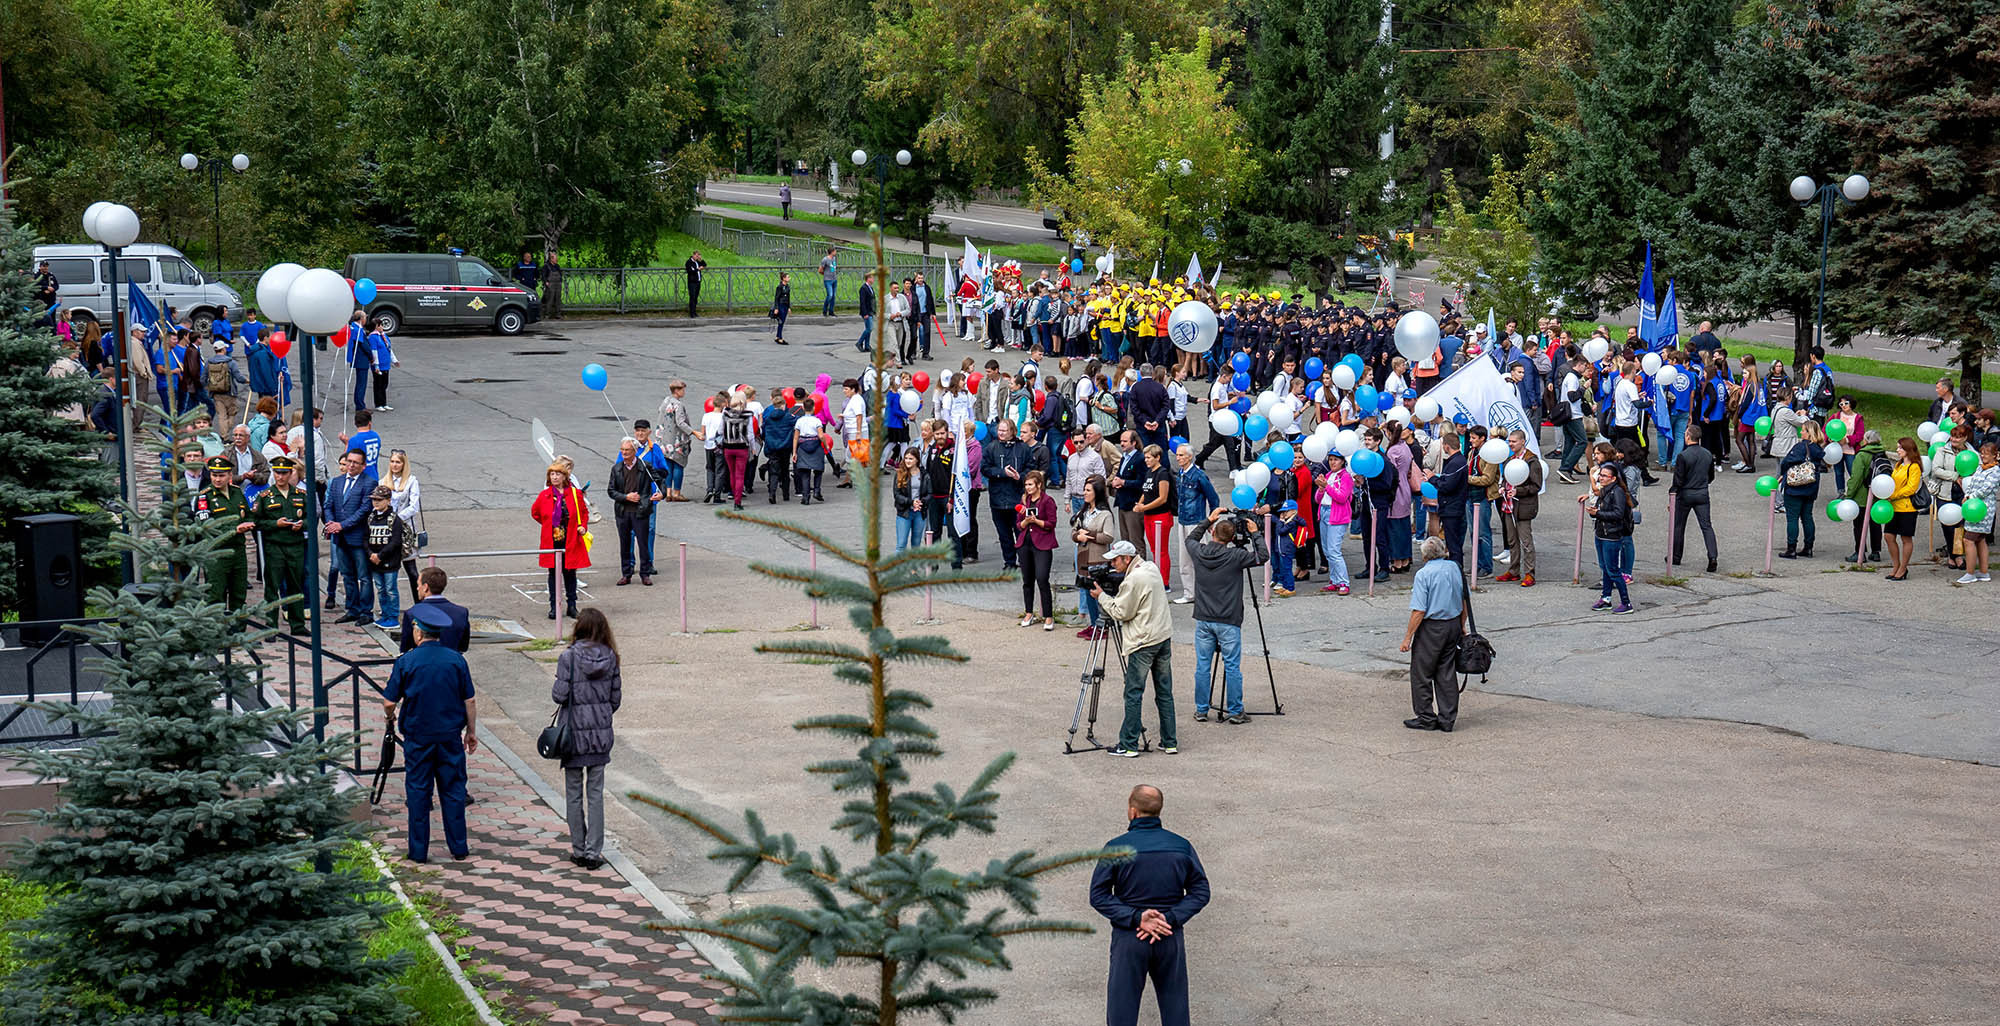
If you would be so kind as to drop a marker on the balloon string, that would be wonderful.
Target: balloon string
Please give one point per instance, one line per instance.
(614, 413)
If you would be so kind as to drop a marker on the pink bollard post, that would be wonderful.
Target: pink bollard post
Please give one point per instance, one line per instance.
(1770, 537)
(1471, 553)
(1670, 534)
(812, 563)
(684, 587)
(927, 588)
(556, 593)
(1576, 572)
(1268, 540)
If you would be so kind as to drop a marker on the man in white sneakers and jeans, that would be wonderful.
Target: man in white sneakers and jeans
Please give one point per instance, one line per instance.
(1145, 643)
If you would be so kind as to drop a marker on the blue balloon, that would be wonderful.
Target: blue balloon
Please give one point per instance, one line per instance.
(1174, 444)
(1281, 456)
(1430, 490)
(1367, 462)
(1315, 368)
(1385, 402)
(979, 430)
(1076, 265)
(1241, 361)
(1243, 496)
(1240, 381)
(595, 377)
(364, 291)
(1364, 398)
(1255, 427)
(1353, 360)
(1241, 405)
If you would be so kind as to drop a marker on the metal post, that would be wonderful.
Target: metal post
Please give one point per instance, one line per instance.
(215, 180)
(1670, 534)
(1576, 572)
(313, 534)
(127, 409)
(812, 562)
(1272, 541)
(556, 582)
(684, 587)
(1827, 198)
(1770, 536)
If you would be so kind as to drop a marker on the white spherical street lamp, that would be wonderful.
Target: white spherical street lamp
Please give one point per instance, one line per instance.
(1803, 188)
(189, 162)
(90, 218)
(274, 287)
(1855, 188)
(903, 158)
(117, 226)
(859, 157)
(240, 162)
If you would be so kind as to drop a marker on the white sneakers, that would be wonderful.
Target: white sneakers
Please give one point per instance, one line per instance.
(1972, 578)
(1505, 556)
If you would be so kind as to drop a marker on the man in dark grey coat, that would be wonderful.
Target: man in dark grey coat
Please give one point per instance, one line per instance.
(589, 690)
(1694, 468)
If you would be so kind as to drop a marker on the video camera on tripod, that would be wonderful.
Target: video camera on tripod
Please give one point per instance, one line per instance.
(1099, 575)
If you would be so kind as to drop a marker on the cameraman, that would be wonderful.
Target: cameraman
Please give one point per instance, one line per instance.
(1221, 550)
(1145, 644)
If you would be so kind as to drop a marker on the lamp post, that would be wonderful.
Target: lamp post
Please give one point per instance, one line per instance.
(881, 162)
(115, 226)
(214, 165)
(1852, 189)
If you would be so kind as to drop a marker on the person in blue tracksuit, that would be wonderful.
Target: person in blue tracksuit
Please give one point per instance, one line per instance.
(438, 724)
(381, 356)
(358, 359)
(1148, 899)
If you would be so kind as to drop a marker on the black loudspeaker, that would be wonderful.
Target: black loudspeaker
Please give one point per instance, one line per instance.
(48, 570)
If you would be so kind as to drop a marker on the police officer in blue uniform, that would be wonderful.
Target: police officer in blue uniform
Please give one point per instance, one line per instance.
(1148, 899)
(434, 688)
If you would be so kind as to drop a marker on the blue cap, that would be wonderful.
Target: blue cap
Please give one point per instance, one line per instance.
(1409, 393)
(1460, 419)
(1289, 507)
(427, 614)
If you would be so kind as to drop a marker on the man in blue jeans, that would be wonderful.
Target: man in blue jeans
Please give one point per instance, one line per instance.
(348, 500)
(1680, 406)
(830, 276)
(1220, 565)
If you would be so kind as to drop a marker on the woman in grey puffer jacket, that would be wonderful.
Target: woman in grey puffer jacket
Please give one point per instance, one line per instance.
(587, 683)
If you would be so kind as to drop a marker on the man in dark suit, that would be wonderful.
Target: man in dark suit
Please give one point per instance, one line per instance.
(456, 634)
(1126, 483)
(695, 266)
(346, 515)
(923, 307)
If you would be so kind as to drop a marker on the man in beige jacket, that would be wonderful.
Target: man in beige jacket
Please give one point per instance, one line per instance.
(1145, 645)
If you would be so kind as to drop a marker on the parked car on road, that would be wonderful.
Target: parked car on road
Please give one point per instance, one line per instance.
(83, 281)
(443, 290)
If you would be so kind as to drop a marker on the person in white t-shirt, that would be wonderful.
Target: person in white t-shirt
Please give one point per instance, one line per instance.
(710, 434)
(1177, 402)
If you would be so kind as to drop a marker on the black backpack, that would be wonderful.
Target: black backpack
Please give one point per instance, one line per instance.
(1822, 397)
(1475, 653)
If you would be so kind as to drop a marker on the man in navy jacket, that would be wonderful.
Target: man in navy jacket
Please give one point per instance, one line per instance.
(1148, 899)
(346, 513)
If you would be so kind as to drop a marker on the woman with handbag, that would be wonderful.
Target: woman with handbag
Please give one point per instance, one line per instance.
(1800, 468)
(564, 517)
(587, 691)
(1609, 505)
(405, 499)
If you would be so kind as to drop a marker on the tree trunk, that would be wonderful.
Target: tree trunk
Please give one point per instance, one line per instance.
(1802, 339)
(1970, 360)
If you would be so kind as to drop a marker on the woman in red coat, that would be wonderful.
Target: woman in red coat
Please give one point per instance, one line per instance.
(563, 515)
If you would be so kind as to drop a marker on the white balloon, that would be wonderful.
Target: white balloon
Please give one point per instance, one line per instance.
(1494, 450)
(1416, 335)
(1427, 409)
(118, 226)
(1257, 476)
(1596, 349)
(1104, 265)
(1882, 486)
(1316, 448)
(1281, 418)
(1650, 363)
(1951, 513)
(911, 400)
(272, 288)
(1849, 509)
(1236, 477)
(1191, 327)
(1925, 431)
(319, 301)
(1668, 376)
(1264, 404)
(1225, 423)
(1328, 431)
(1516, 471)
(1342, 377)
(1346, 442)
(1399, 414)
(1548, 472)
(1834, 452)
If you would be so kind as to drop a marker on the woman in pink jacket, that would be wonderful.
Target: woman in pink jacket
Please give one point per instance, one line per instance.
(1335, 502)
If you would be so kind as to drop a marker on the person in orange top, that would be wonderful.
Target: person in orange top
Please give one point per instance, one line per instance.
(564, 516)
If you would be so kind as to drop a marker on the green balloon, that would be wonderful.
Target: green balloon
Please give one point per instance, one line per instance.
(1882, 511)
(1763, 427)
(1945, 426)
(1767, 484)
(1836, 430)
(1968, 463)
(1833, 511)
(1975, 510)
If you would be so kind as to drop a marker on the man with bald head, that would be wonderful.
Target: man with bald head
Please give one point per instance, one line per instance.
(1148, 898)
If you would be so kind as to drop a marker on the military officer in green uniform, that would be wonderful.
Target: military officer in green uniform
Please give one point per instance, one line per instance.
(280, 514)
(228, 568)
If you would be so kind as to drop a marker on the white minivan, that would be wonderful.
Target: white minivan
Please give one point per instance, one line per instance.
(83, 281)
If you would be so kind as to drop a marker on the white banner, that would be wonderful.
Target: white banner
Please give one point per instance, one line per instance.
(1194, 269)
(1477, 390)
(961, 486)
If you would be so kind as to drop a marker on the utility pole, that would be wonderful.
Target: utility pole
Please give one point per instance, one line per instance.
(1385, 146)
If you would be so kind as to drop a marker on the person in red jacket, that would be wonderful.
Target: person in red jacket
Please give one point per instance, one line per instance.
(561, 511)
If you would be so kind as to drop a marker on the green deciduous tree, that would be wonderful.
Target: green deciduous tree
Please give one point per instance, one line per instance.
(915, 926)
(48, 464)
(1621, 171)
(1315, 107)
(492, 122)
(1491, 255)
(309, 181)
(1157, 157)
(181, 856)
(1921, 256)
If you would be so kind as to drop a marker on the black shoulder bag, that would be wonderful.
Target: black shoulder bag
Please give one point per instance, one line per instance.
(1475, 653)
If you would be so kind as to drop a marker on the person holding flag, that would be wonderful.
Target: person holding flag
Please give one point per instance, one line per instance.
(947, 489)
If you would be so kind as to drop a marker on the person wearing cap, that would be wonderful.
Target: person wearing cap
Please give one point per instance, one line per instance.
(635, 493)
(1284, 544)
(381, 357)
(225, 383)
(223, 504)
(430, 699)
(280, 516)
(387, 542)
(1145, 645)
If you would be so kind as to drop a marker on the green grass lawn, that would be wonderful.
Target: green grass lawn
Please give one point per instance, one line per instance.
(1031, 252)
(1893, 415)
(834, 220)
(758, 179)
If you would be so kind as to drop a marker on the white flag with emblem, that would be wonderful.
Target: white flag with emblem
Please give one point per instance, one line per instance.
(1194, 269)
(1476, 390)
(961, 485)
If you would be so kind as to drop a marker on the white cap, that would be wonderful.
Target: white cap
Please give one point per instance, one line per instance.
(1120, 548)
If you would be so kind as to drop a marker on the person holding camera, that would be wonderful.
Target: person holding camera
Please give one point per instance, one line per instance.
(1222, 549)
(1437, 612)
(1138, 602)
(1091, 528)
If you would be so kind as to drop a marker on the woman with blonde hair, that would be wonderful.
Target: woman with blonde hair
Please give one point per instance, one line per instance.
(405, 499)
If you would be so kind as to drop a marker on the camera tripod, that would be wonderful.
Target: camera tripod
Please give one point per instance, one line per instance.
(1090, 686)
(1215, 660)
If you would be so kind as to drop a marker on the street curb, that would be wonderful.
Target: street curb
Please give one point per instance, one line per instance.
(712, 949)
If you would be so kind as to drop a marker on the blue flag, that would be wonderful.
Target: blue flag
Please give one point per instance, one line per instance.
(143, 314)
(1649, 311)
(1666, 327)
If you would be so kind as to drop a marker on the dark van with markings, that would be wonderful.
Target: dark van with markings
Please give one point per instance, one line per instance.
(443, 290)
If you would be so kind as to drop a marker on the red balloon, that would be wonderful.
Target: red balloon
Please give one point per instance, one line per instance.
(972, 380)
(708, 405)
(339, 338)
(350, 284)
(1041, 397)
(921, 380)
(280, 345)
